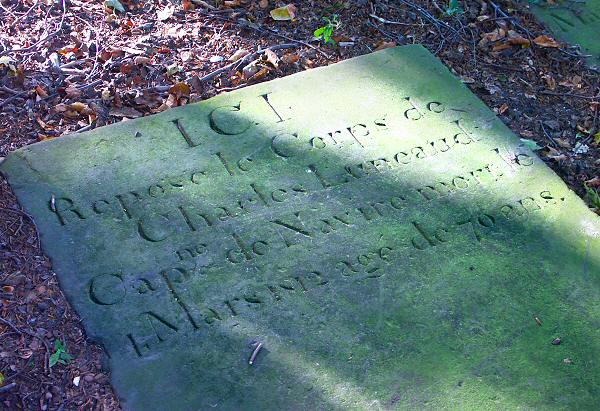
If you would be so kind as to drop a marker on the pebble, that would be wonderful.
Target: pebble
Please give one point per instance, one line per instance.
(216, 59)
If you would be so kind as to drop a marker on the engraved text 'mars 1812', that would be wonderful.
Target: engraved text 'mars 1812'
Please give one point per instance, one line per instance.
(384, 237)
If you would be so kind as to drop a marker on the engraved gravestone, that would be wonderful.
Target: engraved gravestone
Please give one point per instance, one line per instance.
(577, 22)
(368, 235)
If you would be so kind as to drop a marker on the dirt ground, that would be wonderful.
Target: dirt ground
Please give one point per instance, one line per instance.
(69, 66)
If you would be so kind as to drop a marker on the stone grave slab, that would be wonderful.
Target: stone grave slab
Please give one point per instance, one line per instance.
(575, 22)
(384, 238)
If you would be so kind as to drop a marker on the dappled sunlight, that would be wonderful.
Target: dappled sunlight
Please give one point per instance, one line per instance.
(390, 242)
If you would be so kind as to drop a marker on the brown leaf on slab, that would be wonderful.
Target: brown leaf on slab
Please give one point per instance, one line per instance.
(545, 41)
(380, 45)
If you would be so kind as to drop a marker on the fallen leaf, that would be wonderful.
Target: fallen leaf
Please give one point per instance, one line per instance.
(594, 182)
(180, 90)
(262, 73)
(238, 55)
(272, 58)
(232, 3)
(128, 112)
(72, 92)
(141, 60)
(384, 45)
(597, 138)
(263, 4)
(165, 13)
(503, 108)
(114, 4)
(40, 91)
(250, 69)
(545, 41)
(188, 5)
(284, 13)
(8, 289)
(290, 58)
(204, 4)
(554, 154)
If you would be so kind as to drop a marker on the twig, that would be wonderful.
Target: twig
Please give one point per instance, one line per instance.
(8, 387)
(262, 30)
(514, 20)
(255, 353)
(14, 23)
(19, 331)
(385, 21)
(548, 136)
(248, 57)
(43, 39)
(549, 93)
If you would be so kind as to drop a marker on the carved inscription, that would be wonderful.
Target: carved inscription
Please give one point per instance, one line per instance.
(284, 218)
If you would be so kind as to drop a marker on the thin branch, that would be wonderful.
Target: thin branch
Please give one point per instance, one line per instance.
(43, 39)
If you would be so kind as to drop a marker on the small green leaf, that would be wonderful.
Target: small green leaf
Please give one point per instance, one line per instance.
(319, 32)
(114, 4)
(54, 358)
(1, 379)
(530, 144)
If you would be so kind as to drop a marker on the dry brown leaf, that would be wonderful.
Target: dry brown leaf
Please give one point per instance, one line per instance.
(72, 92)
(141, 60)
(501, 46)
(238, 55)
(180, 90)
(554, 154)
(594, 182)
(128, 112)
(290, 58)
(380, 45)
(232, 3)
(503, 108)
(262, 73)
(272, 58)
(8, 289)
(545, 41)
(250, 69)
(40, 91)
(263, 4)
(516, 39)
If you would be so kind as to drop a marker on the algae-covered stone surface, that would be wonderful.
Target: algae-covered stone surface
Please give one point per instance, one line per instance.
(576, 22)
(369, 234)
